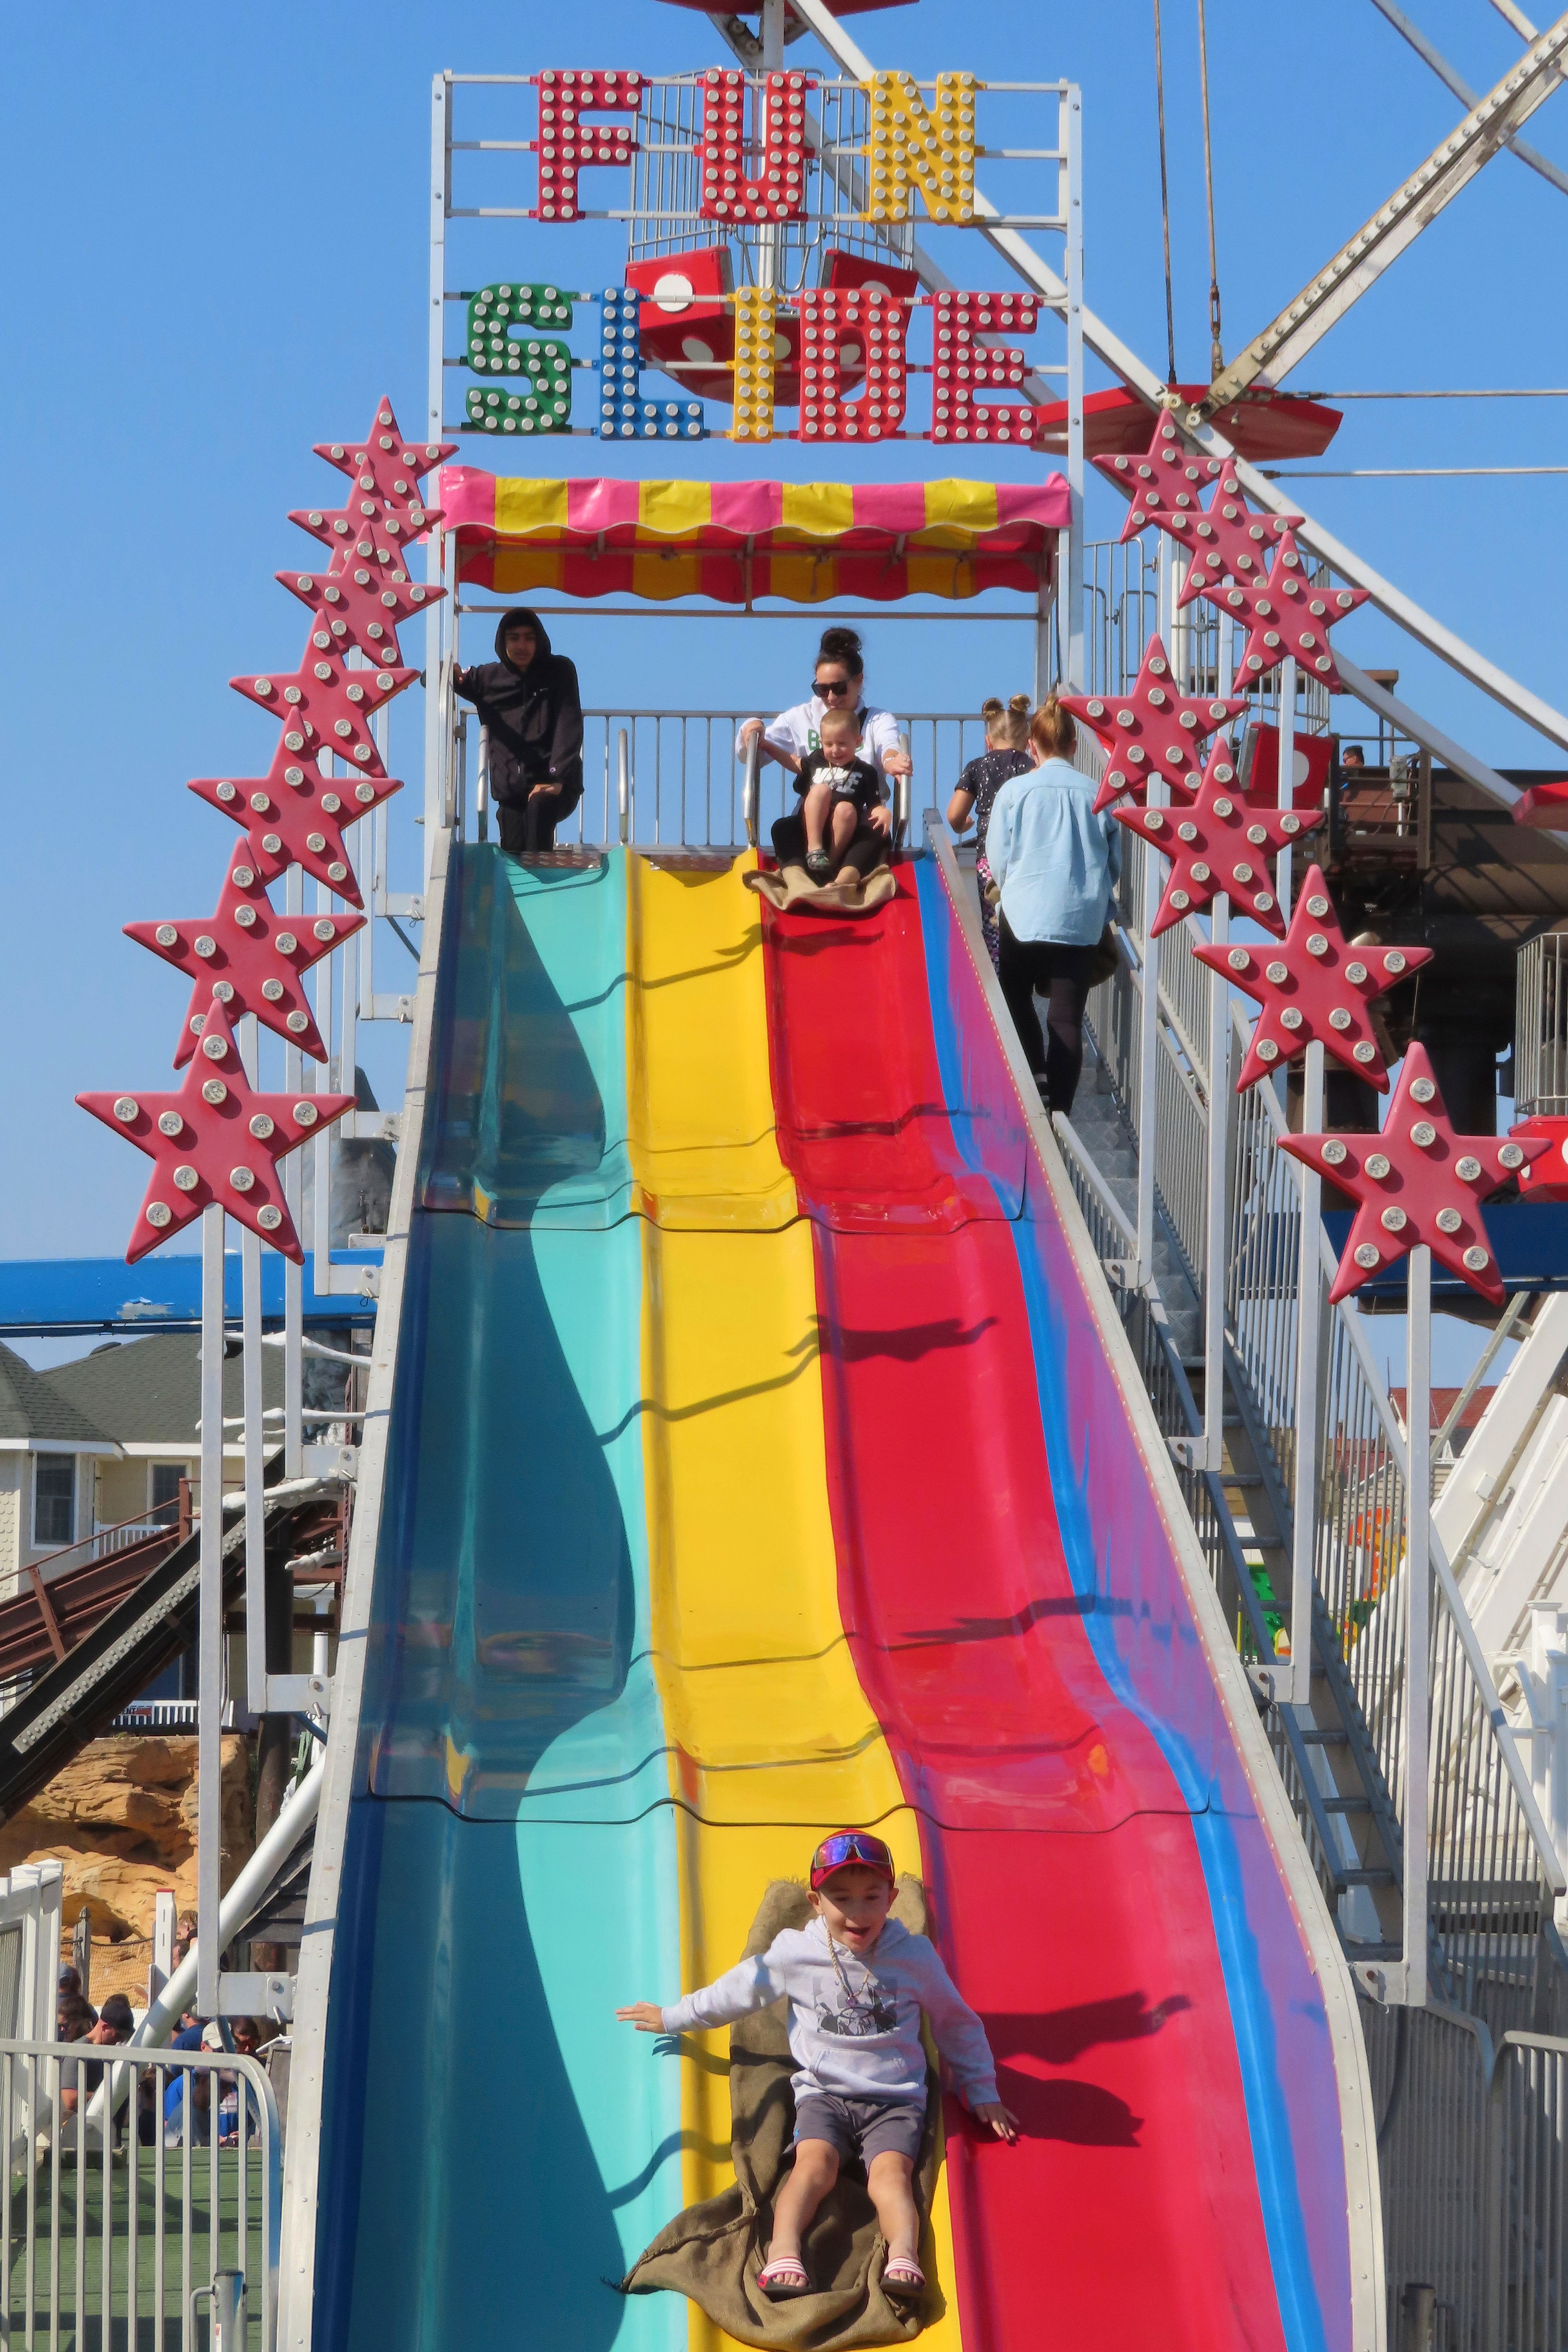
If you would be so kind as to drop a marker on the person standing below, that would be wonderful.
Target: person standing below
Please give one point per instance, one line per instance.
(1005, 754)
(527, 699)
(837, 682)
(1056, 864)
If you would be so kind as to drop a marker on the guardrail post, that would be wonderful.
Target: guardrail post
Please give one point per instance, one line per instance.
(210, 1679)
(1309, 1353)
(902, 797)
(623, 785)
(1148, 1049)
(1216, 1203)
(1418, 1619)
(482, 787)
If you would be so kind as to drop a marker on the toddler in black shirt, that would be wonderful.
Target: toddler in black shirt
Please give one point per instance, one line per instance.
(839, 791)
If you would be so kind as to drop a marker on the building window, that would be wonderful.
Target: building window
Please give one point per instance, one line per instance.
(167, 1477)
(54, 1500)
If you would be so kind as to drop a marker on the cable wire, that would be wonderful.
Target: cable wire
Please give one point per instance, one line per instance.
(1216, 348)
(1164, 194)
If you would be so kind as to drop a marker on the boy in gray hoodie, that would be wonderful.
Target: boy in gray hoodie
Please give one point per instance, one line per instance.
(854, 2033)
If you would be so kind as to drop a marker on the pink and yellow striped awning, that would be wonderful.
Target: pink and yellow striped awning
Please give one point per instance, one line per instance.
(738, 541)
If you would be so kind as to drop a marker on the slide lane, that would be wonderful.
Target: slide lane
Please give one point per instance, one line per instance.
(491, 2158)
(1090, 1905)
(772, 1740)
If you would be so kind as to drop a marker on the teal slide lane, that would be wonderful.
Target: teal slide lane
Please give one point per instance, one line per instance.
(492, 2159)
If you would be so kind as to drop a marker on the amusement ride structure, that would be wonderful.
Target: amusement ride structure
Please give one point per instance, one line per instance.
(756, 1436)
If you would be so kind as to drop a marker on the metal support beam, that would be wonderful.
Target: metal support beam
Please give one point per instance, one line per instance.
(1413, 206)
(210, 1637)
(1123, 361)
(1309, 1390)
(1418, 1622)
(1462, 91)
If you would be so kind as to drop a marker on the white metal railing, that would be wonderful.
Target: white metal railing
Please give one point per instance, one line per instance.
(1473, 2141)
(1541, 1027)
(1488, 1857)
(121, 2204)
(675, 777)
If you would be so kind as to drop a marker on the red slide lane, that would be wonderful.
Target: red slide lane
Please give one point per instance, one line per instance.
(1070, 1896)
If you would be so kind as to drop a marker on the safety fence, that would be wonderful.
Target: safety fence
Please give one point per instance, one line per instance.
(1472, 2137)
(142, 2200)
(1484, 1864)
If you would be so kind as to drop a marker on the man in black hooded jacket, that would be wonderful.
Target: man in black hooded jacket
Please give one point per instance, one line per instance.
(528, 700)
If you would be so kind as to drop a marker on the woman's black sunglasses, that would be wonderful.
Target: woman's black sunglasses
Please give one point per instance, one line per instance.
(826, 685)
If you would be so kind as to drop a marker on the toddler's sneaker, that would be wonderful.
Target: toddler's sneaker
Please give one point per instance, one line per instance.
(818, 865)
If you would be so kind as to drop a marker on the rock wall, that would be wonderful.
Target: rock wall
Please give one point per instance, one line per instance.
(122, 1821)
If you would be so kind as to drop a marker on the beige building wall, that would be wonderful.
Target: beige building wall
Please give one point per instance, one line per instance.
(12, 1469)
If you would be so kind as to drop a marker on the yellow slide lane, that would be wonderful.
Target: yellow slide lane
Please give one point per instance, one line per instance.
(774, 1740)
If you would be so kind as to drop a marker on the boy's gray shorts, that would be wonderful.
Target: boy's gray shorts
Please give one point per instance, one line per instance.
(862, 2127)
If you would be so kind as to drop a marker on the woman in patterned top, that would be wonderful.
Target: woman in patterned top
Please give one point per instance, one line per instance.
(1005, 754)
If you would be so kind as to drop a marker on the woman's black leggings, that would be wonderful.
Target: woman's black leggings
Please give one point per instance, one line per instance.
(1061, 975)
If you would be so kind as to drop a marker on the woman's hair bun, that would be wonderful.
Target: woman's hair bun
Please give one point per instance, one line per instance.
(841, 645)
(1020, 705)
(991, 707)
(1052, 729)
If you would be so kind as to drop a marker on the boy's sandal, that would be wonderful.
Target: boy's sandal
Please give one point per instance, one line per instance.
(902, 2275)
(785, 2277)
(818, 865)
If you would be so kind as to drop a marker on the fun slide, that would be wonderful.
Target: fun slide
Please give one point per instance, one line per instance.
(765, 1456)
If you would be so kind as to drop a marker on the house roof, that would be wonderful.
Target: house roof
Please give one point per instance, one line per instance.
(33, 1408)
(149, 1391)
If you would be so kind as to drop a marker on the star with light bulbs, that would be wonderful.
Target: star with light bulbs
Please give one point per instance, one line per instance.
(249, 957)
(294, 816)
(384, 466)
(1416, 1182)
(1313, 989)
(328, 704)
(1152, 730)
(1288, 613)
(1229, 541)
(1224, 537)
(1220, 843)
(215, 1139)
(361, 607)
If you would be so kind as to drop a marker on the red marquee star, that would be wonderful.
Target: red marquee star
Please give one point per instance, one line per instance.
(1220, 843)
(249, 957)
(294, 816)
(388, 467)
(1163, 484)
(1289, 614)
(214, 1139)
(1229, 541)
(1417, 1181)
(327, 704)
(365, 527)
(1314, 990)
(361, 607)
(1152, 730)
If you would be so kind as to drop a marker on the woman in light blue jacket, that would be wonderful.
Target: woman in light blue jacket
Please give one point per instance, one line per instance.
(1056, 864)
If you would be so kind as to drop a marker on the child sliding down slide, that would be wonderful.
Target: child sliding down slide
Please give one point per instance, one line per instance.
(855, 2035)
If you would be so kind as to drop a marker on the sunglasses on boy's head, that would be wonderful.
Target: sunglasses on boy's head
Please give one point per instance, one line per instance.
(847, 1847)
(826, 685)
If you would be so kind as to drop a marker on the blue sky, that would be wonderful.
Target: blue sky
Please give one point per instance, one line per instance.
(216, 255)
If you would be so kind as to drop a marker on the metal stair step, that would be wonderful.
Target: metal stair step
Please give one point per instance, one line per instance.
(1346, 1804)
(1357, 1951)
(1316, 1735)
(1364, 1878)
